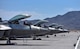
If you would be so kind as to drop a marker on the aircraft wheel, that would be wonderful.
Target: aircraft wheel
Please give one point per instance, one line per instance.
(39, 39)
(47, 36)
(34, 38)
(9, 42)
(55, 35)
(74, 45)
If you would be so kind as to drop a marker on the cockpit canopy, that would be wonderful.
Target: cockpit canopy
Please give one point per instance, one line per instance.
(16, 18)
(19, 17)
(40, 22)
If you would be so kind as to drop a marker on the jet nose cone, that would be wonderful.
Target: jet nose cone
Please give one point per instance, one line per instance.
(4, 27)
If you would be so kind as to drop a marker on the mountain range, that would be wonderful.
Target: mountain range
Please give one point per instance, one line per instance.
(70, 20)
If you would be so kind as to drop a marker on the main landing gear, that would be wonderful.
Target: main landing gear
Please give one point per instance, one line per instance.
(35, 38)
(9, 42)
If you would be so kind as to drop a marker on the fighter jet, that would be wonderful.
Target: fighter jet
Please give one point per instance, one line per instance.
(53, 28)
(50, 29)
(42, 30)
(13, 29)
(59, 28)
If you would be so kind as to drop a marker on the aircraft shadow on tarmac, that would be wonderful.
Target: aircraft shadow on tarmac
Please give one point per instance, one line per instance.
(32, 45)
(24, 45)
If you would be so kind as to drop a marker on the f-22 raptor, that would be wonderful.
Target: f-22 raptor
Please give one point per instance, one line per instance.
(12, 28)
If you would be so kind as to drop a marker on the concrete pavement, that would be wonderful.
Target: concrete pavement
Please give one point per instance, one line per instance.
(62, 41)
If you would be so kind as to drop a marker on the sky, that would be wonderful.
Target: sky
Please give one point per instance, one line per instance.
(38, 9)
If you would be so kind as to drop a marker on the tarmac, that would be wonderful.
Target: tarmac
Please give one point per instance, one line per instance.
(61, 41)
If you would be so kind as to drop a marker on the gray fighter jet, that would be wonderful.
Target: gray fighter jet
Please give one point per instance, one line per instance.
(13, 29)
(50, 29)
(43, 30)
(59, 29)
(53, 28)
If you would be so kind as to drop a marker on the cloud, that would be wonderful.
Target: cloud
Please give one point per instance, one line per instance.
(72, 9)
(5, 14)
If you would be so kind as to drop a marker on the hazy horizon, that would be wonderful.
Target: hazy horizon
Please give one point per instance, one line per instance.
(39, 9)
